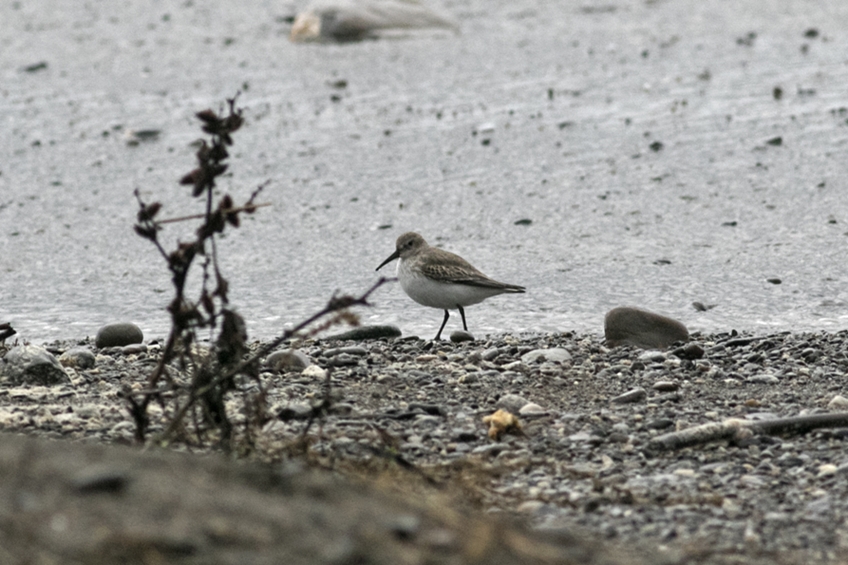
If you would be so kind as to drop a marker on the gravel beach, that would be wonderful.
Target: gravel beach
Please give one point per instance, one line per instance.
(582, 460)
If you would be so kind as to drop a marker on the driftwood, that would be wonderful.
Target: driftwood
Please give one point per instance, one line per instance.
(736, 430)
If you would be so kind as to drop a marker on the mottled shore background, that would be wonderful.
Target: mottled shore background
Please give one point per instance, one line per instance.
(647, 153)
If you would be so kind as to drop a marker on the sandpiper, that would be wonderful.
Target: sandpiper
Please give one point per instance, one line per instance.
(440, 279)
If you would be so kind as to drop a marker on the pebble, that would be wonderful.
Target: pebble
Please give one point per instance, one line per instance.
(652, 356)
(134, 349)
(366, 333)
(460, 336)
(838, 402)
(827, 470)
(294, 411)
(530, 507)
(690, 351)
(532, 409)
(556, 355)
(665, 386)
(288, 360)
(633, 326)
(32, 365)
(512, 403)
(78, 358)
(354, 350)
(634, 395)
(118, 335)
(343, 360)
(660, 424)
(490, 354)
(315, 372)
(516, 366)
(763, 379)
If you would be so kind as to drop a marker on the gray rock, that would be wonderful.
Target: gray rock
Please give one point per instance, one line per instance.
(32, 365)
(763, 379)
(295, 411)
(78, 358)
(637, 394)
(134, 349)
(659, 424)
(581, 436)
(556, 355)
(634, 326)
(460, 336)
(366, 332)
(288, 360)
(516, 366)
(352, 350)
(838, 402)
(691, 351)
(490, 354)
(512, 403)
(532, 409)
(118, 335)
(652, 356)
(489, 450)
(343, 360)
(530, 507)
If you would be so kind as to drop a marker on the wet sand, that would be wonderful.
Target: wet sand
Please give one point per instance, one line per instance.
(644, 142)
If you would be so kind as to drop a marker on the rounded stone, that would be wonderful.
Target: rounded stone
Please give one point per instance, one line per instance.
(554, 354)
(633, 326)
(118, 335)
(366, 332)
(838, 402)
(460, 336)
(29, 364)
(637, 394)
(134, 349)
(690, 351)
(512, 403)
(314, 371)
(78, 358)
(532, 409)
(288, 360)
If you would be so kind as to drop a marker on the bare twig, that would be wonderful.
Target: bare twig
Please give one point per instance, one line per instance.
(249, 208)
(735, 429)
(335, 304)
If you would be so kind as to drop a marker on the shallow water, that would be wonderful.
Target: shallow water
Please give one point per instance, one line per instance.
(571, 98)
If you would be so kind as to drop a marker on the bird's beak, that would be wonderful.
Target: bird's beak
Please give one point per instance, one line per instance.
(391, 258)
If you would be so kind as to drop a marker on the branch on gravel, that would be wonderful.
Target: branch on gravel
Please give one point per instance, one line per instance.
(738, 430)
(338, 305)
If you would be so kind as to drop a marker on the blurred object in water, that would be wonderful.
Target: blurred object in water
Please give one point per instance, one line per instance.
(354, 20)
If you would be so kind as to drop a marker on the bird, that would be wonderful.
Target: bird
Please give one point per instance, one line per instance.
(355, 20)
(440, 279)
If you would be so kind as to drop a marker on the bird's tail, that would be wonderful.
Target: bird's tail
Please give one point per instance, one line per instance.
(514, 289)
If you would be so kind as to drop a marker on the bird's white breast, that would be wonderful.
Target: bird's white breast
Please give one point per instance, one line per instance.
(437, 294)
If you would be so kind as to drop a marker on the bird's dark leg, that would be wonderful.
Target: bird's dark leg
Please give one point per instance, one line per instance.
(445, 321)
(462, 313)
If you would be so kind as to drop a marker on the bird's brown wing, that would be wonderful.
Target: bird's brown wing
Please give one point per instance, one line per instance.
(448, 267)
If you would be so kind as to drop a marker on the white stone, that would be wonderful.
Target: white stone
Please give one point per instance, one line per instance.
(314, 371)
